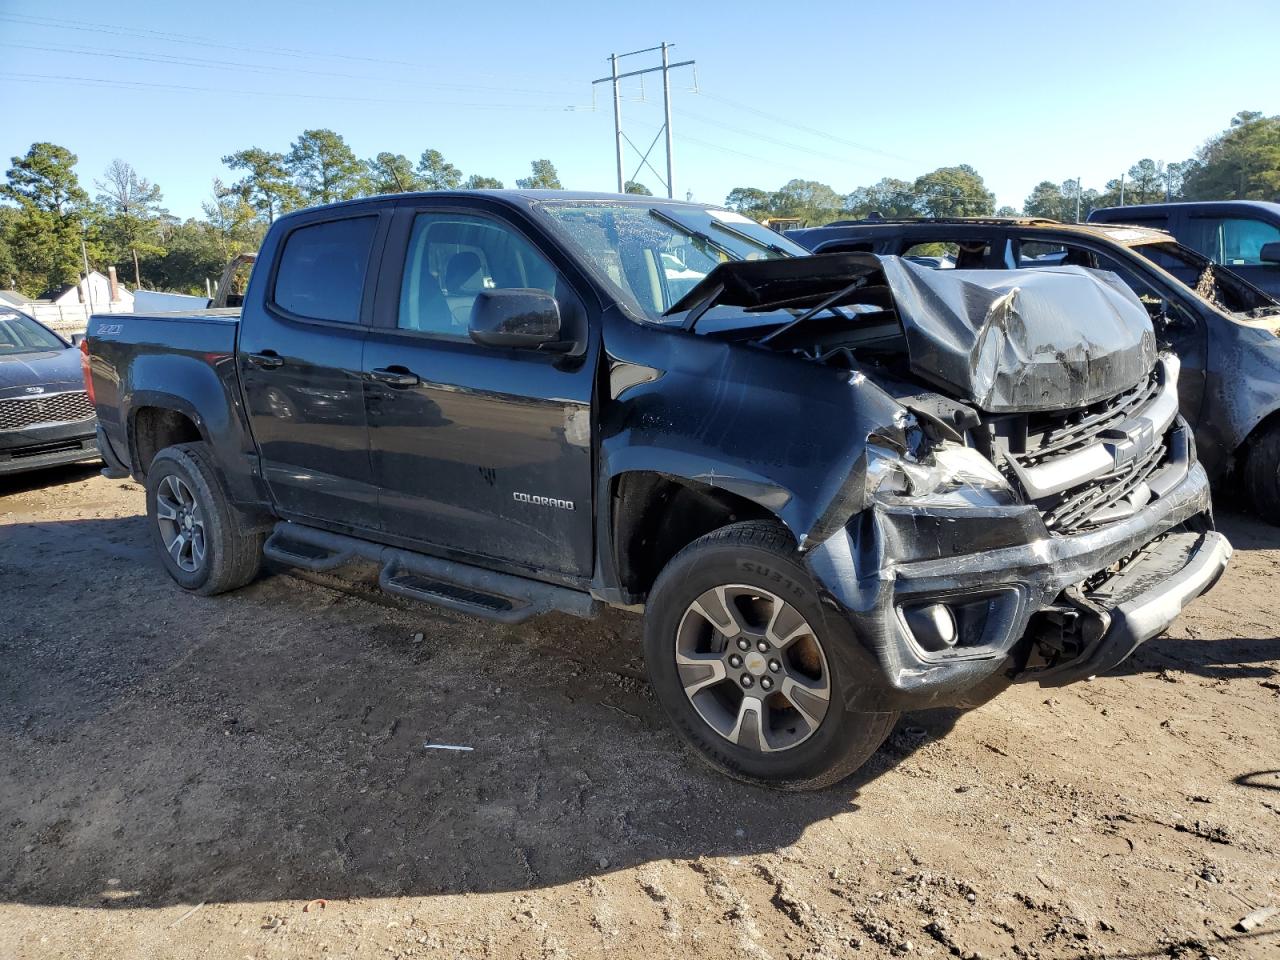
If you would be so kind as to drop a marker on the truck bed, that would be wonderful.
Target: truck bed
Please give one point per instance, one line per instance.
(163, 360)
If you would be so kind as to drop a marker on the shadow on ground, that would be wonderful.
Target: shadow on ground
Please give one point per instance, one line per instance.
(47, 477)
(1228, 658)
(269, 744)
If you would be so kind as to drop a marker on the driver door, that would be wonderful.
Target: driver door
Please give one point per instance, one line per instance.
(477, 450)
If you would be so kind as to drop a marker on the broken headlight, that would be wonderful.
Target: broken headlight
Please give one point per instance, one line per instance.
(945, 475)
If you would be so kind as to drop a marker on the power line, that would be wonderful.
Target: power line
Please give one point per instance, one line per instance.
(785, 121)
(115, 29)
(204, 63)
(127, 84)
(765, 138)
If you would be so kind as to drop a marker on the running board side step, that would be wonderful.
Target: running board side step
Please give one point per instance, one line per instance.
(477, 592)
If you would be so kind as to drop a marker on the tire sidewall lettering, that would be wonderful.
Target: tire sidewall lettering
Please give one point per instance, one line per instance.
(773, 578)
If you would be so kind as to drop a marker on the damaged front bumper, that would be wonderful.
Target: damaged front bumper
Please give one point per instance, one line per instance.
(950, 604)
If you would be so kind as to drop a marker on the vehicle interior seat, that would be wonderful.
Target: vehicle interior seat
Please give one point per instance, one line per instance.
(423, 305)
(971, 255)
(463, 281)
(1077, 257)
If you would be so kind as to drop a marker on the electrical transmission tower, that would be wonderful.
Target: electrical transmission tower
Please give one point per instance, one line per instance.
(619, 137)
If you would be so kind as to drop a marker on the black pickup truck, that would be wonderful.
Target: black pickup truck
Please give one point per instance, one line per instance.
(837, 486)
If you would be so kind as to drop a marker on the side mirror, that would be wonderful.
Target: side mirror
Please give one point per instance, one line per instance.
(77, 339)
(517, 318)
(1270, 252)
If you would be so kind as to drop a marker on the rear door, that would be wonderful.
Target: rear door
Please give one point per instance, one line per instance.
(478, 450)
(300, 360)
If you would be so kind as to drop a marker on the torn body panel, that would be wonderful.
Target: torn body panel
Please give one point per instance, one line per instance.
(779, 431)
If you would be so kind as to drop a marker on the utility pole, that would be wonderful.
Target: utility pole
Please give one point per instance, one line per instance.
(1122, 189)
(88, 283)
(617, 116)
(666, 103)
(614, 76)
(1079, 188)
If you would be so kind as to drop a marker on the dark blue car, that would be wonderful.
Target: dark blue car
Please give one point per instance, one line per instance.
(46, 417)
(1242, 235)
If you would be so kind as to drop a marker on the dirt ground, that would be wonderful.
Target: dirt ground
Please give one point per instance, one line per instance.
(245, 776)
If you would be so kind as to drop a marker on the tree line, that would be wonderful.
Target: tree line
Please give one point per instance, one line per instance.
(50, 223)
(1240, 163)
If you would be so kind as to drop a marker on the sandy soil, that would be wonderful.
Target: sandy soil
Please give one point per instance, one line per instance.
(186, 777)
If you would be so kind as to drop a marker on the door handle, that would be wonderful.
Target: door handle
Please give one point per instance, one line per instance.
(395, 377)
(267, 360)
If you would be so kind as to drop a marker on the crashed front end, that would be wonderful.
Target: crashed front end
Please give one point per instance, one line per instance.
(1039, 513)
(962, 575)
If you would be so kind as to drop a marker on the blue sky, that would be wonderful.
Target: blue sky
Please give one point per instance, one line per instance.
(844, 93)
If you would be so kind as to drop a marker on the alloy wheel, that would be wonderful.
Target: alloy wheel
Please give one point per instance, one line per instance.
(181, 522)
(752, 668)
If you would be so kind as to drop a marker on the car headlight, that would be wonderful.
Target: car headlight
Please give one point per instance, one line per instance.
(947, 475)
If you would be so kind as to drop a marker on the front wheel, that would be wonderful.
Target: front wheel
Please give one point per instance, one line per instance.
(200, 536)
(743, 660)
(1262, 475)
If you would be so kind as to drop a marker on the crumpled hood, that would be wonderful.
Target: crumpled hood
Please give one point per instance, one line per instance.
(1004, 340)
(1022, 340)
(52, 369)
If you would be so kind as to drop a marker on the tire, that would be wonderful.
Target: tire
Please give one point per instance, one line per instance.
(1262, 475)
(218, 553)
(804, 745)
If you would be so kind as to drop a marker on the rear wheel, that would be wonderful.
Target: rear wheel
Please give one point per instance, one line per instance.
(743, 659)
(202, 540)
(1262, 475)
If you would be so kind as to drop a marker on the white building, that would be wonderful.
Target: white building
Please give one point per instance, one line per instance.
(102, 293)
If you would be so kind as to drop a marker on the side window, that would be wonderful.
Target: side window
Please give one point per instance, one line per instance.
(940, 255)
(322, 269)
(1235, 241)
(962, 254)
(1038, 253)
(452, 257)
(1204, 235)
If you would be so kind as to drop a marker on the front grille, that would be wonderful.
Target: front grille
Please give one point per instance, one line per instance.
(1080, 504)
(17, 414)
(1083, 443)
(1056, 433)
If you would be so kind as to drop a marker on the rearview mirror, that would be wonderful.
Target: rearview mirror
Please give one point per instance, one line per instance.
(1270, 252)
(516, 317)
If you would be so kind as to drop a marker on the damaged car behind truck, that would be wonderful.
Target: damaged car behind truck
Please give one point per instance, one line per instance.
(838, 487)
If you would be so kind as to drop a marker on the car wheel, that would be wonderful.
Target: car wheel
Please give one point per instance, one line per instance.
(1262, 475)
(749, 667)
(201, 538)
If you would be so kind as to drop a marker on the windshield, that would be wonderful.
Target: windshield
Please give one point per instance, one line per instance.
(20, 334)
(656, 253)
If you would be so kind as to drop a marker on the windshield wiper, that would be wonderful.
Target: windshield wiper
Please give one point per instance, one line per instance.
(692, 232)
(754, 241)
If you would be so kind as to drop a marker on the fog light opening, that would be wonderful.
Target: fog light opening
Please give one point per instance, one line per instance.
(933, 625)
